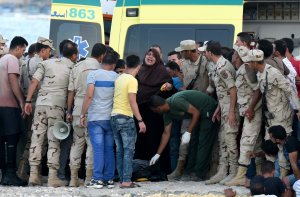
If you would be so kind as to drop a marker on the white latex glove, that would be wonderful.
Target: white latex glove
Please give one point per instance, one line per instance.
(154, 159)
(185, 139)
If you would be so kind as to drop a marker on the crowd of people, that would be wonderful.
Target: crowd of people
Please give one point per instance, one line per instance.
(211, 113)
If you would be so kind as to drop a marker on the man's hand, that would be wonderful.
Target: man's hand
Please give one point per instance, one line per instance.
(154, 159)
(251, 154)
(217, 114)
(69, 117)
(229, 192)
(231, 119)
(249, 113)
(22, 106)
(142, 127)
(83, 122)
(166, 87)
(186, 137)
(28, 108)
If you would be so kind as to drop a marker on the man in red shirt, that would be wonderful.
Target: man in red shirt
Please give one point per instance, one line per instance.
(296, 63)
(11, 108)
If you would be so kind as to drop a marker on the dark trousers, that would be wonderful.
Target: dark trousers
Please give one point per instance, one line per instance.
(174, 143)
(8, 149)
(251, 171)
(147, 143)
(296, 126)
(200, 148)
(10, 129)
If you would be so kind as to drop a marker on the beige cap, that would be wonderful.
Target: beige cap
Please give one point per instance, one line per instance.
(4, 51)
(203, 48)
(242, 52)
(254, 55)
(186, 45)
(2, 40)
(46, 41)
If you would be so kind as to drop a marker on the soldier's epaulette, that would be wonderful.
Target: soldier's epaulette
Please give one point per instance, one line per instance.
(222, 65)
(58, 60)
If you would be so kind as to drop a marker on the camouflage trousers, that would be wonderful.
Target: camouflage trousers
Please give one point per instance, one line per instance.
(44, 119)
(250, 137)
(28, 130)
(287, 124)
(80, 138)
(227, 139)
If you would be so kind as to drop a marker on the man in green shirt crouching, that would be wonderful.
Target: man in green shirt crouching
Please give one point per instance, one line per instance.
(200, 134)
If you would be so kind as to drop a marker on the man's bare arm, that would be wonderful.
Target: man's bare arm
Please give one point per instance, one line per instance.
(32, 88)
(195, 117)
(13, 81)
(136, 112)
(164, 138)
(294, 163)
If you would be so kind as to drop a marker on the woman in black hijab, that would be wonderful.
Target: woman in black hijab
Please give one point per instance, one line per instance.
(151, 77)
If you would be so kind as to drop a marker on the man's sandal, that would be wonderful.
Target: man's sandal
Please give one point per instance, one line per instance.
(132, 185)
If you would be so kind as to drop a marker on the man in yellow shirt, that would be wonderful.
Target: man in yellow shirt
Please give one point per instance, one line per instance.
(124, 107)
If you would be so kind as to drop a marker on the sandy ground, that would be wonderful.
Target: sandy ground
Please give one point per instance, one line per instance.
(168, 189)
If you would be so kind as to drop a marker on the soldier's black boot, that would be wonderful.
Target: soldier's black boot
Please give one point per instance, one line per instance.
(10, 177)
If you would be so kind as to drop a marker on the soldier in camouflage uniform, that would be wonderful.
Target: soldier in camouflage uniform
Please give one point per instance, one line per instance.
(246, 83)
(224, 80)
(44, 47)
(77, 90)
(267, 47)
(210, 67)
(277, 92)
(192, 64)
(54, 77)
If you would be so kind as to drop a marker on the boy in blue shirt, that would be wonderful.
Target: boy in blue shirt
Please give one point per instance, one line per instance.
(174, 71)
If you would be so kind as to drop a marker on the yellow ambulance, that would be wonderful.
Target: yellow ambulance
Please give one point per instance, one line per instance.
(138, 24)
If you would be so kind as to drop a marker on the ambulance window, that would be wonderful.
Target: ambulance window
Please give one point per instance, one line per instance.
(83, 34)
(140, 37)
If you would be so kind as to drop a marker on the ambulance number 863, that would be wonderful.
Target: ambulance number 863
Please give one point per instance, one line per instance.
(81, 13)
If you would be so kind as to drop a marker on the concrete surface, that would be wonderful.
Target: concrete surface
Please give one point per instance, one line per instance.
(149, 189)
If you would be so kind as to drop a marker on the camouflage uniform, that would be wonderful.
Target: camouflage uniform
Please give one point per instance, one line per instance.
(77, 83)
(277, 97)
(211, 72)
(189, 70)
(245, 88)
(28, 69)
(224, 80)
(50, 104)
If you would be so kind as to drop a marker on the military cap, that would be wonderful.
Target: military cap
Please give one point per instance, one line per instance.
(46, 41)
(254, 55)
(186, 45)
(2, 40)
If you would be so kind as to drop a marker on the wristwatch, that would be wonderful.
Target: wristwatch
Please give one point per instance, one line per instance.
(141, 120)
(82, 116)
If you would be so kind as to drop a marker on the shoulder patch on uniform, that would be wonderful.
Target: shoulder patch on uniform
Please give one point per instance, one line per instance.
(223, 64)
(224, 74)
